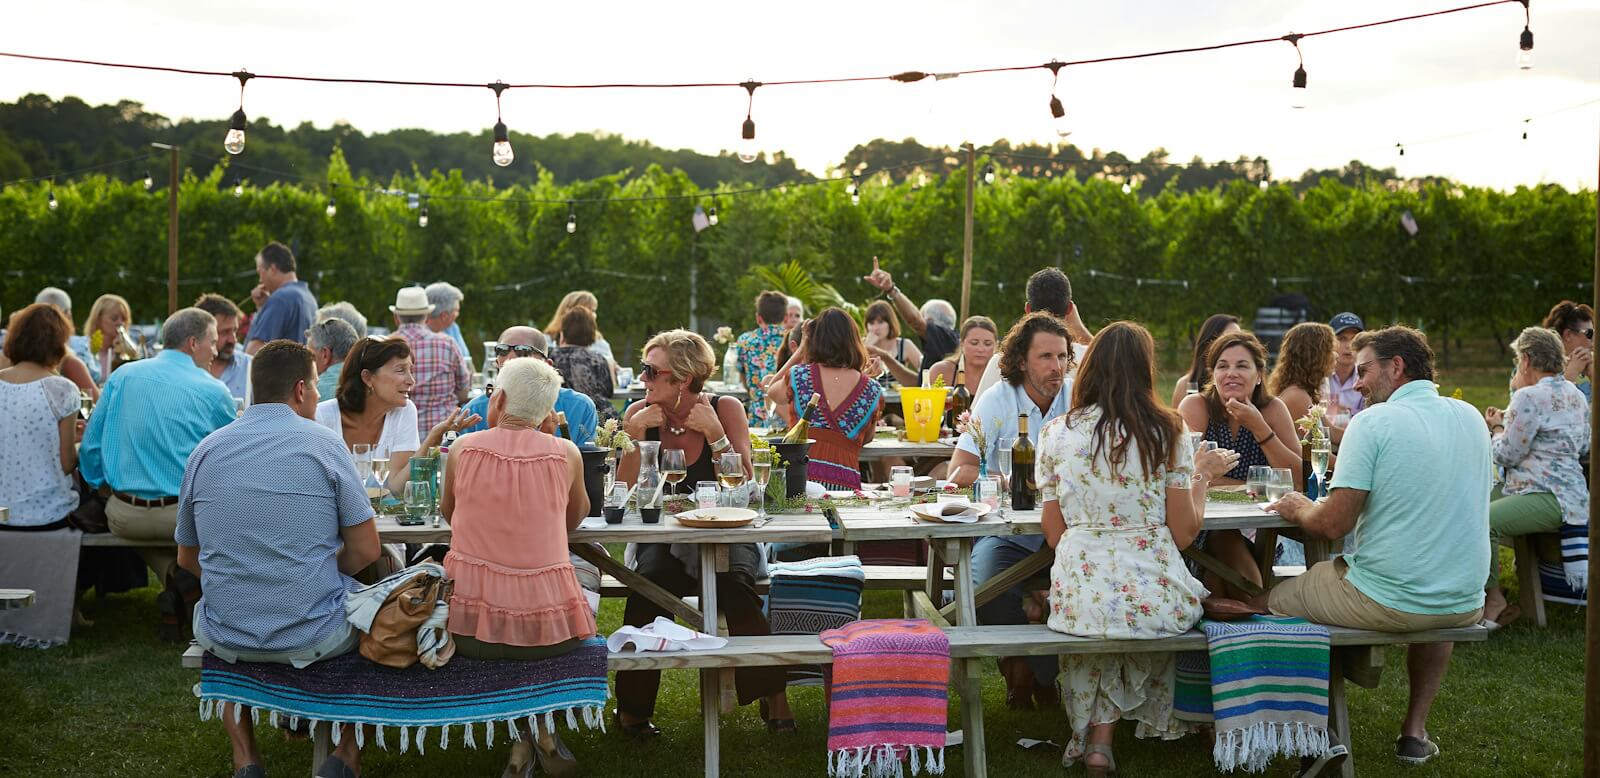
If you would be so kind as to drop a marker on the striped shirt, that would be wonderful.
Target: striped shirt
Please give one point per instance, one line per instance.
(151, 414)
(264, 500)
(440, 373)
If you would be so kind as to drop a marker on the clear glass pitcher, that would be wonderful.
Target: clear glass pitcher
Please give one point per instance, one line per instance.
(649, 483)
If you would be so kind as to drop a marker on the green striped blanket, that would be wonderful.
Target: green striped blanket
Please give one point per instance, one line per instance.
(1264, 682)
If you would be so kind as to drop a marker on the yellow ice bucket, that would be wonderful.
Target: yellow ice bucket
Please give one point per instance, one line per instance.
(923, 410)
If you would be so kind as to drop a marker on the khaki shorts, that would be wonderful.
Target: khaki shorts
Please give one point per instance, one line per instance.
(1322, 595)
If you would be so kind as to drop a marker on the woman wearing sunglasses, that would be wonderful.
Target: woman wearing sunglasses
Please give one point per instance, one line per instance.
(1574, 322)
(677, 413)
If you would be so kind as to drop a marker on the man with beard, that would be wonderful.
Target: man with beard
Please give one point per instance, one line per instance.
(231, 365)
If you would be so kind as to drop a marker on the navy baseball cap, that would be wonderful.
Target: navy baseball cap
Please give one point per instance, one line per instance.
(1346, 321)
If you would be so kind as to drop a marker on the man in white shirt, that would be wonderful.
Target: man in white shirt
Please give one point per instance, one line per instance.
(1036, 360)
(1050, 292)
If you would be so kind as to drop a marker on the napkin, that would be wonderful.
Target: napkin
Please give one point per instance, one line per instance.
(957, 511)
(663, 634)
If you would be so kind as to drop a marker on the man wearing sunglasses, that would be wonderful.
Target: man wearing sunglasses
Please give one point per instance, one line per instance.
(518, 342)
(1574, 322)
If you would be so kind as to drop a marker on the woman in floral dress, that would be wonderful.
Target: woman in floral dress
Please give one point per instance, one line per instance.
(1123, 493)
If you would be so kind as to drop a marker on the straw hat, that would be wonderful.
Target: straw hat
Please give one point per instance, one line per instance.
(411, 301)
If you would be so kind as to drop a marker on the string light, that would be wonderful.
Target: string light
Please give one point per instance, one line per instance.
(711, 216)
(1265, 184)
(238, 187)
(1127, 188)
(332, 209)
(1298, 95)
(1525, 41)
(149, 182)
(1058, 112)
(1401, 147)
(502, 154)
(747, 150)
(1525, 128)
(52, 199)
(422, 216)
(988, 174)
(572, 218)
(854, 189)
(234, 142)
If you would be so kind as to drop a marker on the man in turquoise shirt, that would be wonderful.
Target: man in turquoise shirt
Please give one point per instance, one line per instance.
(151, 415)
(528, 342)
(1413, 482)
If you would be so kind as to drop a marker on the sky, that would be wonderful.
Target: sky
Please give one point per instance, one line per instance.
(1446, 87)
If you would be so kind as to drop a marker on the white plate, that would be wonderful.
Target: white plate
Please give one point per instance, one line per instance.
(927, 512)
(711, 518)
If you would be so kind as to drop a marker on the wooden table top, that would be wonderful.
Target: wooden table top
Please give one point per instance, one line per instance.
(890, 447)
(895, 522)
(787, 528)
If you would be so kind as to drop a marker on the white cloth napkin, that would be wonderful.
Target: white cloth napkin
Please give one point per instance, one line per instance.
(956, 511)
(662, 635)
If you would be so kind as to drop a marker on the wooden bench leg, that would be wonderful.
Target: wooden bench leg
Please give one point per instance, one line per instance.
(1339, 713)
(972, 753)
(1530, 592)
(321, 745)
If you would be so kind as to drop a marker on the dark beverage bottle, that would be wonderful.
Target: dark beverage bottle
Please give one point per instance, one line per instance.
(1024, 491)
(960, 399)
(561, 425)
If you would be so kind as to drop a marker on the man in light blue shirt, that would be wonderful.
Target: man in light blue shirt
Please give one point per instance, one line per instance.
(330, 340)
(519, 342)
(232, 365)
(1035, 360)
(151, 414)
(285, 306)
(274, 520)
(1413, 483)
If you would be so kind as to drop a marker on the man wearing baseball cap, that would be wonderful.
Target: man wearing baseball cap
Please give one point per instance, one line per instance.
(1343, 397)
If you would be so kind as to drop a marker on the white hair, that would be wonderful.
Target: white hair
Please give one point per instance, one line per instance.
(794, 302)
(530, 387)
(57, 297)
(444, 297)
(940, 312)
(347, 312)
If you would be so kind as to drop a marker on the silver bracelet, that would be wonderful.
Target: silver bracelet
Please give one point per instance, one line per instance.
(719, 445)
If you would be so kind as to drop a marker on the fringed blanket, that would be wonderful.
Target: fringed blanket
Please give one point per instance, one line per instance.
(889, 698)
(466, 693)
(1266, 689)
(1553, 582)
(811, 596)
(1575, 557)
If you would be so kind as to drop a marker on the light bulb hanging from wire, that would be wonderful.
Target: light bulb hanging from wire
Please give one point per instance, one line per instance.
(1401, 147)
(747, 150)
(1058, 112)
(1525, 41)
(422, 216)
(1297, 97)
(332, 209)
(1265, 184)
(1525, 128)
(234, 142)
(238, 187)
(149, 182)
(572, 218)
(711, 216)
(501, 154)
(988, 174)
(854, 190)
(52, 199)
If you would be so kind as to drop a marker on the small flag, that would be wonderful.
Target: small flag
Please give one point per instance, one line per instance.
(1409, 222)
(700, 220)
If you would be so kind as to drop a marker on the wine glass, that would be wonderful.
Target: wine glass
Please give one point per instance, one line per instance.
(362, 453)
(673, 468)
(730, 473)
(380, 472)
(419, 501)
(761, 465)
(1256, 484)
(1002, 460)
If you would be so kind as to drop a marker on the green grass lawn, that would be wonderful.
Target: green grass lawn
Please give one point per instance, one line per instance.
(115, 702)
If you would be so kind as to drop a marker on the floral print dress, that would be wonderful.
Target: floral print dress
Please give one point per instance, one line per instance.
(1118, 576)
(1547, 431)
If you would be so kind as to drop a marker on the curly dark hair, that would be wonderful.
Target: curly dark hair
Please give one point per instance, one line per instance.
(1014, 349)
(371, 354)
(1305, 359)
(1258, 354)
(38, 333)
(1566, 315)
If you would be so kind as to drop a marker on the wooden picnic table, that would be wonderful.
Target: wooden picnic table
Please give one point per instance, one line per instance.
(13, 599)
(883, 447)
(636, 391)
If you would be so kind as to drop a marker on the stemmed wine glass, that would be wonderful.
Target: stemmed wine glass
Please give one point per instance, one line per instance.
(761, 464)
(730, 473)
(673, 468)
(1002, 462)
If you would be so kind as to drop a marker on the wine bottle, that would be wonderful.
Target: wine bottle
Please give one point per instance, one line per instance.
(801, 430)
(561, 425)
(1024, 491)
(961, 399)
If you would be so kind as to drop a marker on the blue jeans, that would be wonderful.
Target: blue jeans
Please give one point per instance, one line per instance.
(990, 557)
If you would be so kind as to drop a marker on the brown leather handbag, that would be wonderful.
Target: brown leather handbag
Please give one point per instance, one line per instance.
(392, 641)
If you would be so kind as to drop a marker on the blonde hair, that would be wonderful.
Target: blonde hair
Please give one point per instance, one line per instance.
(101, 307)
(581, 298)
(689, 356)
(530, 387)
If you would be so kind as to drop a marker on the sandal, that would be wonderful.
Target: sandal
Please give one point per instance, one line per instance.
(520, 765)
(1508, 616)
(643, 730)
(1329, 763)
(1107, 770)
(558, 761)
(779, 726)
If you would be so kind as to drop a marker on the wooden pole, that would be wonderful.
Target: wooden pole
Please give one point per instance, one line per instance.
(1591, 652)
(172, 227)
(966, 239)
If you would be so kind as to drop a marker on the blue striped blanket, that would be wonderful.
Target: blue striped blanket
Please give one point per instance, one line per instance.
(1575, 559)
(1264, 682)
(465, 693)
(810, 597)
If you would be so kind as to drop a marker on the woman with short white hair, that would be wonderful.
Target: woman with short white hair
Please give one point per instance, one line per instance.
(511, 494)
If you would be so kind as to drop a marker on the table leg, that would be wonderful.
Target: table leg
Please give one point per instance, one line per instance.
(710, 680)
(934, 584)
(639, 584)
(1339, 712)
(970, 673)
(966, 604)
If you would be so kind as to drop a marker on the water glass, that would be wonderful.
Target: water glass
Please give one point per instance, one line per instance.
(987, 490)
(419, 501)
(1282, 483)
(1256, 484)
(900, 481)
(705, 494)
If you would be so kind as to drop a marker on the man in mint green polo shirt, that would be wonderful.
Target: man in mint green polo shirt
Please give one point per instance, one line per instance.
(1413, 483)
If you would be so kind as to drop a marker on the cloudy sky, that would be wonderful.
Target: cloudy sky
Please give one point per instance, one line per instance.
(1447, 87)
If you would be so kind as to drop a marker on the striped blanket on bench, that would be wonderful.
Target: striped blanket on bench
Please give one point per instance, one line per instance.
(469, 694)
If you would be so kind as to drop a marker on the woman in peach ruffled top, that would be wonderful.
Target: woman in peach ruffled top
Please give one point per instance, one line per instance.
(511, 494)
